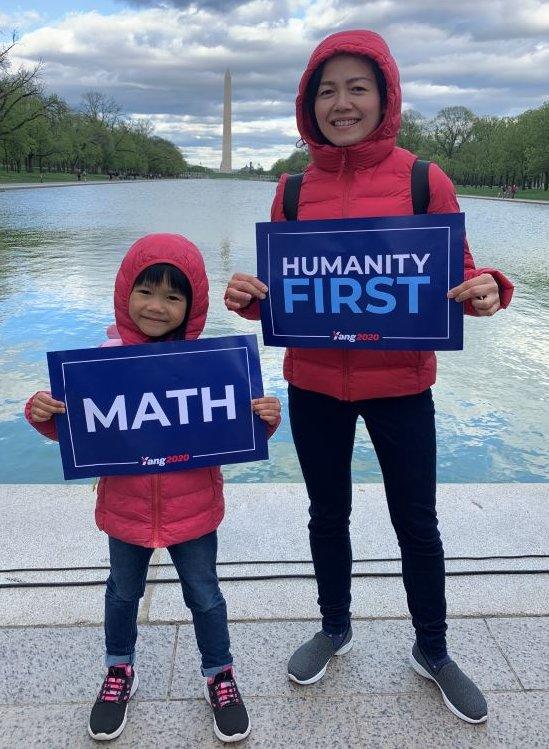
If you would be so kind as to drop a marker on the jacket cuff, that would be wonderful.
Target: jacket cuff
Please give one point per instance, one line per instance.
(46, 428)
(271, 428)
(251, 312)
(506, 288)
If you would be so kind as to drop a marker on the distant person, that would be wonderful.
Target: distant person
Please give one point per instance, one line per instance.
(348, 113)
(161, 293)
(513, 190)
(502, 191)
(78, 175)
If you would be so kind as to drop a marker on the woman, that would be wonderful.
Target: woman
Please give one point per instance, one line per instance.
(348, 112)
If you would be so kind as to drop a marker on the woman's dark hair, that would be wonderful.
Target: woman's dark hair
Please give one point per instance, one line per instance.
(154, 275)
(312, 90)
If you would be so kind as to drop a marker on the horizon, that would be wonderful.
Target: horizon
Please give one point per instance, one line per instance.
(166, 61)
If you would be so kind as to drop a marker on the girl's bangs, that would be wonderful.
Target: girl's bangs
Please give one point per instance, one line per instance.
(155, 275)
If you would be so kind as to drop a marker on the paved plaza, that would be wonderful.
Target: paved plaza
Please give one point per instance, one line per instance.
(53, 561)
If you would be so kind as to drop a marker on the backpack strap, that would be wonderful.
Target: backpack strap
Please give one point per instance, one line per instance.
(420, 186)
(290, 200)
(420, 190)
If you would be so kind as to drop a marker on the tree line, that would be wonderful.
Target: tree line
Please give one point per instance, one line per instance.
(41, 131)
(475, 151)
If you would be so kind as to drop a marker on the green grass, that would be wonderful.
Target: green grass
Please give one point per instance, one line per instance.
(34, 177)
(15, 177)
(493, 192)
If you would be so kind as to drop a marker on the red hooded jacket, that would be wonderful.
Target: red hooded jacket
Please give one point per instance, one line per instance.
(370, 178)
(159, 509)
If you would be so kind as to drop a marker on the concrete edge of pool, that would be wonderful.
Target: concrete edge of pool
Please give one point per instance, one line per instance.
(4, 186)
(52, 526)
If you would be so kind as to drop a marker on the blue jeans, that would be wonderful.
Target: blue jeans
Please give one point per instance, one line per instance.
(402, 430)
(195, 562)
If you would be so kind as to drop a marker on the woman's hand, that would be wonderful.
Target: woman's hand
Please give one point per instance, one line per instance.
(483, 292)
(267, 408)
(44, 407)
(243, 289)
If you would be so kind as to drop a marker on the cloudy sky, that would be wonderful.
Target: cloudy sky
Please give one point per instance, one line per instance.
(165, 59)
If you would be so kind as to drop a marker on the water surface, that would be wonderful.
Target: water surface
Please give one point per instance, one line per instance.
(60, 249)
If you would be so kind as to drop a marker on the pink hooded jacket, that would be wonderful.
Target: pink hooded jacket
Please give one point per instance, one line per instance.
(156, 510)
(370, 178)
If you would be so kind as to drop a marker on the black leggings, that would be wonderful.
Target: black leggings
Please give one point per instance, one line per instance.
(402, 431)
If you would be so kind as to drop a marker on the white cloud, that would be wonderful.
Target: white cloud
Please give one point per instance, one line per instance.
(19, 20)
(166, 62)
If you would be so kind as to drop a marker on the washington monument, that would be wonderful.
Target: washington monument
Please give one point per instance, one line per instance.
(226, 160)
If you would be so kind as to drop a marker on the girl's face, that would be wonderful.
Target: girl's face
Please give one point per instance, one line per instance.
(347, 104)
(157, 310)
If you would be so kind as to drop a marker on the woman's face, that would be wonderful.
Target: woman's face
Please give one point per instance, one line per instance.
(347, 104)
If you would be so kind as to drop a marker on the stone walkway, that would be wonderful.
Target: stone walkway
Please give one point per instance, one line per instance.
(51, 639)
(369, 697)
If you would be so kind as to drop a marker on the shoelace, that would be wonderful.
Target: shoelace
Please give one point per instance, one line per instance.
(116, 687)
(225, 693)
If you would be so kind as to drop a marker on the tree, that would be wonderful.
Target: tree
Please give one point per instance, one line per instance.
(534, 126)
(294, 164)
(4, 52)
(164, 157)
(22, 98)
(452, 128)
(102, 109)
(412, 133)
(480, 159)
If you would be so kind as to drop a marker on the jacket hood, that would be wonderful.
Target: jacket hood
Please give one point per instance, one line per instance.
(379, 144)
(160, 248)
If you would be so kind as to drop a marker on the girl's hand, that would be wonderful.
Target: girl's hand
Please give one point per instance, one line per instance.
(483, 292)
(44, 407)
(267, 408)
(243, 289)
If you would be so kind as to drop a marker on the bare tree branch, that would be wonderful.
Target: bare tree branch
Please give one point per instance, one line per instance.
(100, 108)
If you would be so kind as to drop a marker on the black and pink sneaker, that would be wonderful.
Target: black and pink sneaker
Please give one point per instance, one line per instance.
(231, 721)
(108, 715)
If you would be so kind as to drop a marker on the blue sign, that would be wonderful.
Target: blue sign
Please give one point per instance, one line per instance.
(376, 283)
(158, 407)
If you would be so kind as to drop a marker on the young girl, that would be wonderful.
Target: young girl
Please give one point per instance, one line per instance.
(161, 293)
(348, 113)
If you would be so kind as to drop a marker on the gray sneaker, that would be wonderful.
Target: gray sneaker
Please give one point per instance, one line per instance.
(309, 662)
(459, 693)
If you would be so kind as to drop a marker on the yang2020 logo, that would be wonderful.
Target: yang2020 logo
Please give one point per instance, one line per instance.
(337, 335)
(147, 461)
